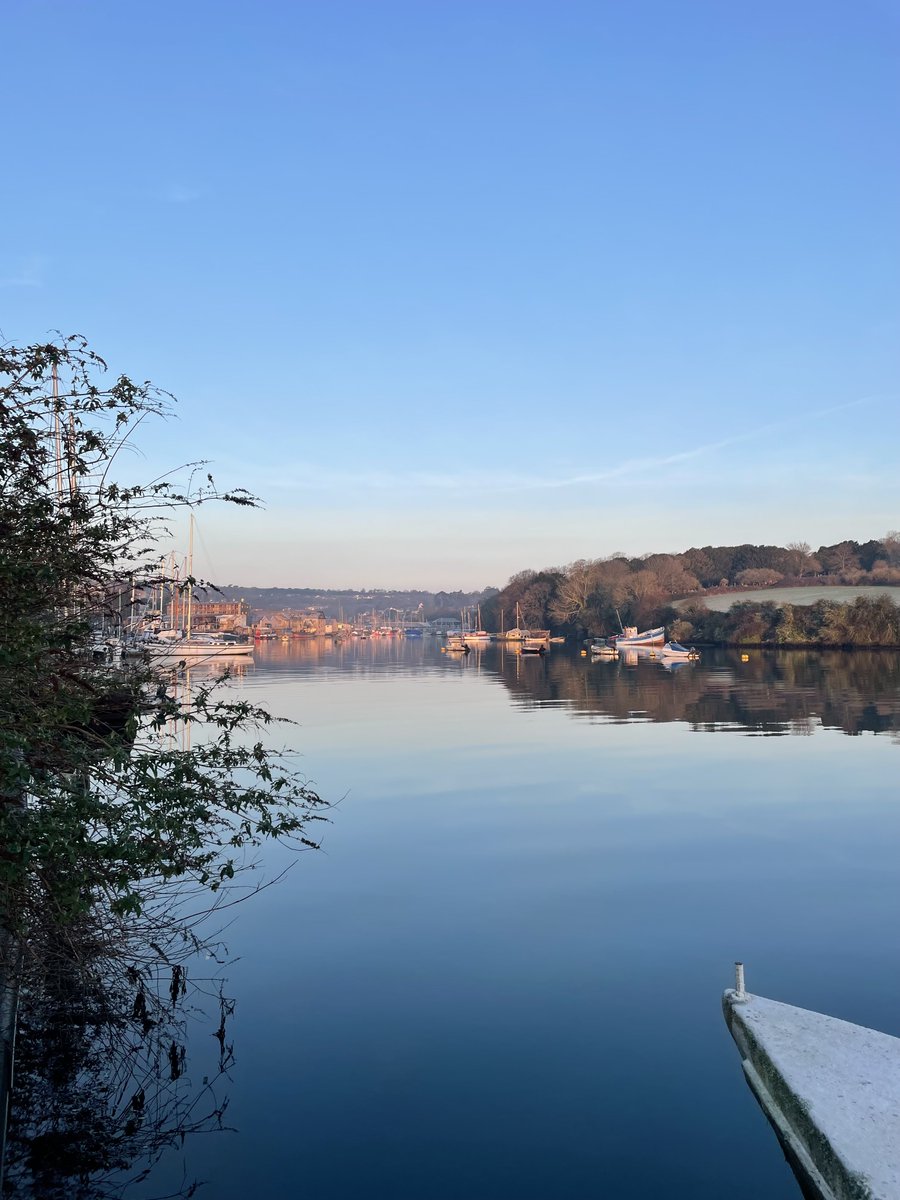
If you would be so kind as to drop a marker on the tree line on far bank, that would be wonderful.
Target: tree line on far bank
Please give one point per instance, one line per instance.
(591, 596)
(863, 622)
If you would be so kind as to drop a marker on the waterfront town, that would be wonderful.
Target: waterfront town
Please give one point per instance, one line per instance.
(236, 616)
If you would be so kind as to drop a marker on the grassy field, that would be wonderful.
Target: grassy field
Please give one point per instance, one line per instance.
(796, 595)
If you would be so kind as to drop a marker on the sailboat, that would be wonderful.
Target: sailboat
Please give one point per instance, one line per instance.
(176, 644)
(477, 634)
(518, 634)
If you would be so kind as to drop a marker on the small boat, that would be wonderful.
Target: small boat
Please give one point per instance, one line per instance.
(533, 645)
(647, 637)
(675, 651)
(603, 649)
(456, 645)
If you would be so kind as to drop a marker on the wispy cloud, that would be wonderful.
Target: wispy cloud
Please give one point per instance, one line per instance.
(179, 193)
(656, 462)
(30, 273)
(310, 476)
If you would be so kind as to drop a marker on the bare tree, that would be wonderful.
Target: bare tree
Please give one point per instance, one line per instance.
(799, 559)
(576, 591)
(891, 543)
(840, 558)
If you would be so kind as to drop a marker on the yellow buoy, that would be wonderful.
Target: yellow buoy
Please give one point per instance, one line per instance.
(745, 658)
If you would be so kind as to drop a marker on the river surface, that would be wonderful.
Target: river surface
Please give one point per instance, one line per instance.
(500, 979)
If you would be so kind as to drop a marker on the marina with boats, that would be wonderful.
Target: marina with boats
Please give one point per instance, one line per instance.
(171, 623)
(167, 632)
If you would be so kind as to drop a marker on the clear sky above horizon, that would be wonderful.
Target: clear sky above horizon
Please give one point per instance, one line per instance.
(463, 288)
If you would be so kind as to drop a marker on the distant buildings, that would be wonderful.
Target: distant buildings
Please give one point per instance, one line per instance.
(220, 614)
(309, 622)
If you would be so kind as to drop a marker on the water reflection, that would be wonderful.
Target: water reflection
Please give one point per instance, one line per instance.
(461, 995)
(767, 693)
(103, 1086)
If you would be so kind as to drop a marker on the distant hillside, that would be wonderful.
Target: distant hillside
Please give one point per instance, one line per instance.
(335, 601)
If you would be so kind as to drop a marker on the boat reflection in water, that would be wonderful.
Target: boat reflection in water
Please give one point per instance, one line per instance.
(771, 693)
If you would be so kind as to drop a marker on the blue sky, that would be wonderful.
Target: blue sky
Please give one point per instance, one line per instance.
(462, 288)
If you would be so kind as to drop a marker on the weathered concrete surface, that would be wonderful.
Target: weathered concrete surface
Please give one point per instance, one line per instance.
(830, 1089)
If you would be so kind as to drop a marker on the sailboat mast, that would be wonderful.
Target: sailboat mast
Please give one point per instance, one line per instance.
(57, 433)
(190, 571)
(70, 457)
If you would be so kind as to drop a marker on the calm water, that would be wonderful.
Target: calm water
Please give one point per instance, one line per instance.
(501, 978)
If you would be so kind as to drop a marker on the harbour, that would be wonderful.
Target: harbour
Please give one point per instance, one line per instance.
(512, 947)
(450, 595)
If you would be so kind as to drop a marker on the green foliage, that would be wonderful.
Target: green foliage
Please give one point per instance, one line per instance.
(94, 802)
(864, 622)
(591, 596)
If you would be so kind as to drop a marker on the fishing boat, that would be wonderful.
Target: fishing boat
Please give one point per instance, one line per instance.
(675, 651)
(648, 637)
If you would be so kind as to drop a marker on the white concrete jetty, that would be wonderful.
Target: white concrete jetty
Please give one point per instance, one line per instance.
(831, 1091)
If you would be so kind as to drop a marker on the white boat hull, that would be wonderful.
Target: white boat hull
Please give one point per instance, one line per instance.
(676, 653)
(183, 650)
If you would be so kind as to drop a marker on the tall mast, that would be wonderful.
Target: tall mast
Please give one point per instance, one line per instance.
(57, 434)
(190, 571)
(70, 457)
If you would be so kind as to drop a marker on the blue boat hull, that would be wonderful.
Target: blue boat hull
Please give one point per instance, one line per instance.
(648, 637)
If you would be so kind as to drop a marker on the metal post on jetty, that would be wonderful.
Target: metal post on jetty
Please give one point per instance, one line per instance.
(830, 1089)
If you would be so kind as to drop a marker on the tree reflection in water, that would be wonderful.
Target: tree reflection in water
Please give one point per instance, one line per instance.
(101, 1084)
(772, 693)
